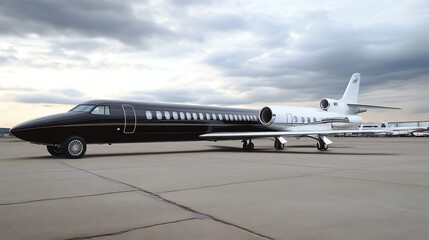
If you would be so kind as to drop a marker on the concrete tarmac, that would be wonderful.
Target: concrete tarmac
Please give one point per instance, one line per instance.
(361, 188)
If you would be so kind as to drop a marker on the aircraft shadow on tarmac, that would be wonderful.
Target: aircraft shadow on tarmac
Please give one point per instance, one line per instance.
(289, 150)
(215, 148)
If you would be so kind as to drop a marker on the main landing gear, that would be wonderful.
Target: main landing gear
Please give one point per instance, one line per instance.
(279, 143)
(323, 143)
(248, 145)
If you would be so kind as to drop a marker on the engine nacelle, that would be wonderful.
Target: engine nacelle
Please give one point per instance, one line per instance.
(333, 105)
(273, 117)
(326, 103)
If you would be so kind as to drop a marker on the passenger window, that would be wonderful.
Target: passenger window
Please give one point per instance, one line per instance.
(314, 119)
(214, 116)
(194, 115)
(247, 117)
(220, 116)
(106, 110)
(175, 116)
(201, 116)
(158, 115)
(148, 115)
(182, 116)
(167, 115)
(231, 117)
(302, 119)
(239, 118)
(235, 117)
(208, 116)
(308, 119)
(295, 119)
(226, 117)
(188, 116)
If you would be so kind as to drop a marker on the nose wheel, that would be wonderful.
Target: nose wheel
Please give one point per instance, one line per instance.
(248, 145)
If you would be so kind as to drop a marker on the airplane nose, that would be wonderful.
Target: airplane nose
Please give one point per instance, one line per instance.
(20, 132)
(15, 132)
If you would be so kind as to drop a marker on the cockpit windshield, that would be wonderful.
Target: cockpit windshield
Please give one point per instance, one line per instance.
(83, 108)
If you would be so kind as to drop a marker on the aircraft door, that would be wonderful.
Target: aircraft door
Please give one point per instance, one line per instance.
(130, 119)
(289, 119)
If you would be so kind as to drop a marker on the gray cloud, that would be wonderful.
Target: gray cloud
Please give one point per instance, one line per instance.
(216, 97)
(187, 3)
(7, 58)
(55, 96)
(114, 19)
(260, 56)
(47, 98)
(326, 52)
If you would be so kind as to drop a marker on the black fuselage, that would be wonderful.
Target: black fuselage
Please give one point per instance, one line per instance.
(137, 122)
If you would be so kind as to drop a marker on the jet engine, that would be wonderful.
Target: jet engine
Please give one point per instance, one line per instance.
(326, 103)
(273, 117)
(333, 105)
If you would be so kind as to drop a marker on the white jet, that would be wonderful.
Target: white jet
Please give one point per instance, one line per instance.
(335, 117)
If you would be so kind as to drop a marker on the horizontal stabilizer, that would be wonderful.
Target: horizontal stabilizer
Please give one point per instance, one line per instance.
(371, 106)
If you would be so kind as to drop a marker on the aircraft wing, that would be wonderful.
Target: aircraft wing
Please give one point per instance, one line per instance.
(248, 135)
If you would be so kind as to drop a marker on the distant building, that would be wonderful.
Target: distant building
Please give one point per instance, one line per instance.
(410, 124)
(399, 128)
(4, 132)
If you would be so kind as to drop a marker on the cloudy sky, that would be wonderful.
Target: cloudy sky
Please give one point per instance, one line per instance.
(57, 53)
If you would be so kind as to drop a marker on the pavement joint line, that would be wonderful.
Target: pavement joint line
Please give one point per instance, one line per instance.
(254, 181)
(129, 230)
(228, 184)
(333, 170)
(374, 181)
(378, 204)
(162, 199)
(70, 197)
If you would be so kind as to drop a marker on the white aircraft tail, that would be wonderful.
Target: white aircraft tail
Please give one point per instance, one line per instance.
(351, 94)
(348, 104)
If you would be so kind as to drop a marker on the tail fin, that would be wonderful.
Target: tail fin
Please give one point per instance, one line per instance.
(352, 91)
(350, 97)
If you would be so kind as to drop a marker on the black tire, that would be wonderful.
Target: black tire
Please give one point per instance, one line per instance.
(250, 146)
(55, 151)
(278, 145)
(245, 145)
(74, 147)
(321, 146)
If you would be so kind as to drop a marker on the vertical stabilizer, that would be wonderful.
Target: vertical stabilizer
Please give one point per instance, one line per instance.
(352, 91)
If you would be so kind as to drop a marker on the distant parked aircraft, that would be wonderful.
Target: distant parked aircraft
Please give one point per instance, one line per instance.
(105, 121)
(399, 131)
(421, 134)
